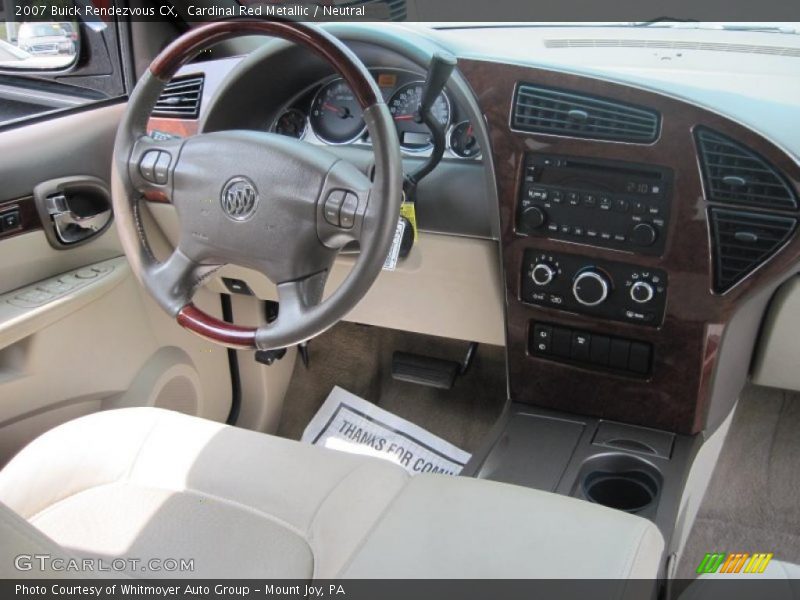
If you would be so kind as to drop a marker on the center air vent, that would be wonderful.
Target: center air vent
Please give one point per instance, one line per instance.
(743, 241)
(734, 174)
(547, 110)
(180, 98)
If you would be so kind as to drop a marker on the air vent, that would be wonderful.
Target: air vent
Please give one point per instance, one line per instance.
(180, 98)
(743, 241)
(547, 110)
(734, 174)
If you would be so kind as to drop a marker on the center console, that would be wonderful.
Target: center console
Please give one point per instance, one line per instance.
(633, 243)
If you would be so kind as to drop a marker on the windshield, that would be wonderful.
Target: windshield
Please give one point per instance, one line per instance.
(791, 28)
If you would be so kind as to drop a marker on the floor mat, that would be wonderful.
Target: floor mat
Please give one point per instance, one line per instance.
(358, 358)
(348, 423)
(753, 499)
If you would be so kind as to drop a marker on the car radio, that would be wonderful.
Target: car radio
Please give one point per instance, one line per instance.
(597, 202)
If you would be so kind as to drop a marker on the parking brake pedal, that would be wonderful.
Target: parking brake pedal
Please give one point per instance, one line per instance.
(430, 371)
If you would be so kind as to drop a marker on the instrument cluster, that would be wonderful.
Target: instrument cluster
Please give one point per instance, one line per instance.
(329, 114)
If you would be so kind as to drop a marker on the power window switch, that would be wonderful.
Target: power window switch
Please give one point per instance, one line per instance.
(9, 221)
(542, 339)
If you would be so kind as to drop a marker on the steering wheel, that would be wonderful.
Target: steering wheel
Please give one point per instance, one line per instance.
(257, 199)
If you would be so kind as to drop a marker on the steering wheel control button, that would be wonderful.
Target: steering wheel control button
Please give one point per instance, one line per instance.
(333, 207)
(147, 165)
(161, 169)
(347, 215)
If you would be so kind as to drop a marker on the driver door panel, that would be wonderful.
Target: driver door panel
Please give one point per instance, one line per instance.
(77, 333)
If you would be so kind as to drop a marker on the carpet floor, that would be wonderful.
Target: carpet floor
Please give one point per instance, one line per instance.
(753, 500)
(358, 358)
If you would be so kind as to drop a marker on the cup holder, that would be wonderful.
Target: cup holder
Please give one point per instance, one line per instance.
(621, 481)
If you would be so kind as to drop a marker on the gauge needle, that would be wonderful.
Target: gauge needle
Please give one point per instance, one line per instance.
(342, 111)
(404, 117)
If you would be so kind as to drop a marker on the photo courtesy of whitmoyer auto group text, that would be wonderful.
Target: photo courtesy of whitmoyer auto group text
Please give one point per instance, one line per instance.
(399, 300)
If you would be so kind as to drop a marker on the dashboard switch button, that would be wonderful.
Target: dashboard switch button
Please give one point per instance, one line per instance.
(562, 342)
(618, 354)
(639, 359)
(598, 350)
(580, 346)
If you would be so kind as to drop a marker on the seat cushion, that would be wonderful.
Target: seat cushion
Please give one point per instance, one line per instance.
(147, 483)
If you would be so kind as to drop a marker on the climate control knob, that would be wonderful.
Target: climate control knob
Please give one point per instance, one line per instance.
(642, 292)
(590, 287)
(533, 217)
(542, 274)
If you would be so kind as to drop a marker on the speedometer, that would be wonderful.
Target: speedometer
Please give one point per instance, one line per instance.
(336, 116)
(404, 105)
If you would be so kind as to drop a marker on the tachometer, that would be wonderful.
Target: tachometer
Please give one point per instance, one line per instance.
(292, 123)
(336, 115)
(413, 133)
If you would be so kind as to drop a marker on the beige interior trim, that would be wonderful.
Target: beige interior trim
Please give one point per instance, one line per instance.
(777, 359)
(456, 283)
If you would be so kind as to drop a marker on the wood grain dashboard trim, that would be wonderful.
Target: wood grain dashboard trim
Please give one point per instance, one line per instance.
(687, 344)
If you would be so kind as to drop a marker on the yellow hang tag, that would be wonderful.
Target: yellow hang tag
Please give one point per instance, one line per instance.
(409, 211)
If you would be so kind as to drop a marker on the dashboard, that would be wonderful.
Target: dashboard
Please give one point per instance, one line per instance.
(642, 222)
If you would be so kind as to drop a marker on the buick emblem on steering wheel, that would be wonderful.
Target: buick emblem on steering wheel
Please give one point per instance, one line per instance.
(239, 199)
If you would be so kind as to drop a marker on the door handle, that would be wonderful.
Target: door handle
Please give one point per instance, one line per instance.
(73, 209)
(70, 227)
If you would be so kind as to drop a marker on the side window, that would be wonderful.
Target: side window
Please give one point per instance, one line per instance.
(48, 65)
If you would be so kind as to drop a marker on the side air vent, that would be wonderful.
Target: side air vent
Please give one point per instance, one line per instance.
(548, 110)
(734, 174)
(180, 98)
(743, 241)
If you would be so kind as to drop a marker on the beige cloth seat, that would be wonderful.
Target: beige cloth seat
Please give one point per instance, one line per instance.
(148, 483)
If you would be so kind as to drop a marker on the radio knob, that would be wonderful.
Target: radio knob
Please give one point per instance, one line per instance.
(644, 234)
(590, 287)
(542, 274)
(642, 292)
(533, 217)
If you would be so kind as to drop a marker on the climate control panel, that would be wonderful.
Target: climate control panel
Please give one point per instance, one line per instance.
(602, 288)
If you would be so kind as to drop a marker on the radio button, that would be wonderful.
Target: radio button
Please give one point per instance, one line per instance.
(589, 200)
(643, 234)
(556, 196)
(552, 227)
(621, 205)
(537, 194)
(605, 203)
(638, 208)
(533, 217)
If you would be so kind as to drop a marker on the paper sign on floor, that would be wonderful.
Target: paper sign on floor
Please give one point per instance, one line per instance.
(351, 424)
